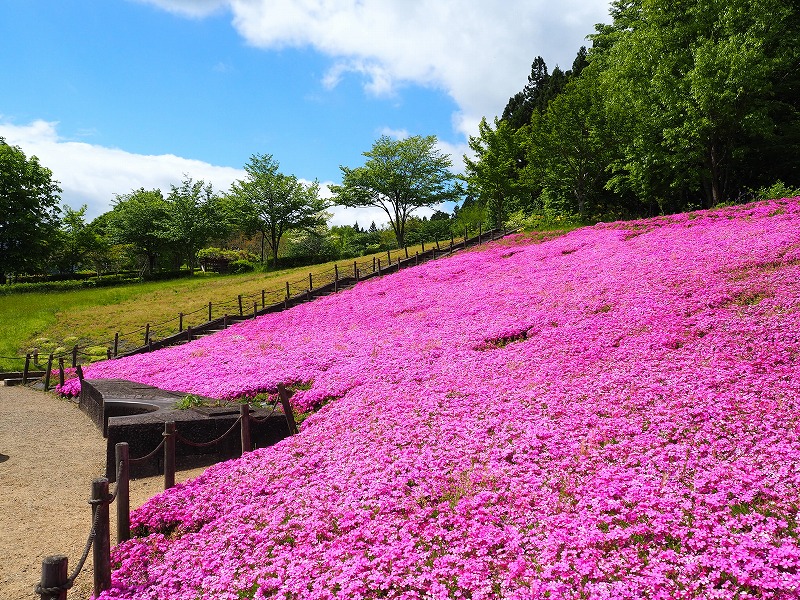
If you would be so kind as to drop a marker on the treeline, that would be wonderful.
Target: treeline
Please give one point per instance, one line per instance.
(675, 106)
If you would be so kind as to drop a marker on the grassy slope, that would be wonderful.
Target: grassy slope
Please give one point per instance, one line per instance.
(52, 321)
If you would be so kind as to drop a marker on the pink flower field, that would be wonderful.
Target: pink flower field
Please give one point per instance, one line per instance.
(614, 413)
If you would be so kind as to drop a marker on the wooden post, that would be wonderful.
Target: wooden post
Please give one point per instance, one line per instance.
(288, 295)
(437, 246)
(25, 369)
(101, 546)
(189, 333)
(465, 236)
(335, 278)
(116, 343)
(225, 321)
(379, 266)
(180, 322)
(287, 409)
(121, 453)
(169, 454)
(255, 309)
(79, 371)
(416, 259)
(146, 334)
(241, 312)
(209, 311)
(355, 271)
(452, 240)
(310, 282)
(423, 246)
(373, 264)
(150, 345)
(480, 232)
(108, 353)
(263, 298)
(389, 257)
(244, 411)
(54, 575)
(61, 371)
(47, 373)
(74, 356)
(406, 251)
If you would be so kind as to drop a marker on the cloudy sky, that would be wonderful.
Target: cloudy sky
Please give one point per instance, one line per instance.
(114, 95)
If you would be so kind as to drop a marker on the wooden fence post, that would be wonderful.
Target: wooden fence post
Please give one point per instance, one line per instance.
(480, 232)
(74, 356)
(244, 411)
(355, 270)
(255, 309)
(335, 278)
(373, 264)
(116, 343)
(416, 259)
(310, 282)
(189, 333)
(54, 576)
(61, 371)
(465, 236)
(241, 312)
(263, 298)
(146, 335)
(225, 321)
(79, 371)
(108, 353)
(423, 246)
(209, 311)
(101, 546)
(122, 454)
(287, 409)
(288, 294)
(180, 322)
(47, 373)
(406, 251)
(25, 369)
(169, 454)
(389, 257)
(379, 266)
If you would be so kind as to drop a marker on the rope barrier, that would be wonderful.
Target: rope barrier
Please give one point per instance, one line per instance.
(141, 459)
(188, 442)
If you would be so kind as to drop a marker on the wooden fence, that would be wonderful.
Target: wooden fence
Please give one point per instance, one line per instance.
(55, 581)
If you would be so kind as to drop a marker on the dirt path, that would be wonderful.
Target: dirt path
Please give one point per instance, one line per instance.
(49, 454)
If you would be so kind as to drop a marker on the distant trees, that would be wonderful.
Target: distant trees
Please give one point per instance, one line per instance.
(194, 216)
(270, 203)
(29, 211)
(141, 219)
(399, 177)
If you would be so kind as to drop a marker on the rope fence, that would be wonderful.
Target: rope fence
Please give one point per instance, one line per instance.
(216, 315)
(55, 582)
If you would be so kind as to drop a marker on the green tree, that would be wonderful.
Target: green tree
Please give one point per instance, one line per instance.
(691, 85)
(399, 177)
(494, 174)
(29, 211)
(195, 217)
(141, 219)
(271, 203)
(77, 241)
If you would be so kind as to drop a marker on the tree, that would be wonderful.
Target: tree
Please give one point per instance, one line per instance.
(28, 211)
(77, 241)
(141, 218)
(399, 177)
(692, 84)
(494, 174)
(271, 203)
(195, 217)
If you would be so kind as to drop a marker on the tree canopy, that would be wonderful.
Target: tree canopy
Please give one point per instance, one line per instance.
(271, 203)
(399, 177)
(29, 210)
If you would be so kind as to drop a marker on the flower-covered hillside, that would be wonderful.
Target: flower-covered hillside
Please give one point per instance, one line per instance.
(610, 414)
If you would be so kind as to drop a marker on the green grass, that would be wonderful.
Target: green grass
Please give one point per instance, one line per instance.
(57, 321)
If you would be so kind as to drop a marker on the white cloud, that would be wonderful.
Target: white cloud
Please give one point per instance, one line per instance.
(478, 52)
(93, 175)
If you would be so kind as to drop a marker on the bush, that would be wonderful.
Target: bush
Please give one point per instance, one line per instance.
(237, 267)
(776, 191)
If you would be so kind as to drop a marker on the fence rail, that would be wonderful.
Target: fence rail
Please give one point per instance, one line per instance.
(220, 314)
(55, 582)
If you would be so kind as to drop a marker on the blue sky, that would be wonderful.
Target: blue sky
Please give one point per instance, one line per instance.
(114, 95)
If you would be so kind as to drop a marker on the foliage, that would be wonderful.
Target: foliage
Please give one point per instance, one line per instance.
(141, 219)
(28, 211)
(776, 190)
(398, 177)
(195, 216)
(75, 241)
(271, 203)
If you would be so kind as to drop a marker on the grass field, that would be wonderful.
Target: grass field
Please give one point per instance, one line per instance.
(56, 321)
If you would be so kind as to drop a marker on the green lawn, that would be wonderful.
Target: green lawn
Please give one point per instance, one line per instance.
(57, 321)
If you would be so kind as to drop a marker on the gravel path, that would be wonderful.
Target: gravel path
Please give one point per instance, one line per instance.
(49, 453)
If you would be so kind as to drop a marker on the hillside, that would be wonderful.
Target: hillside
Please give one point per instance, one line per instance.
(610, 414)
